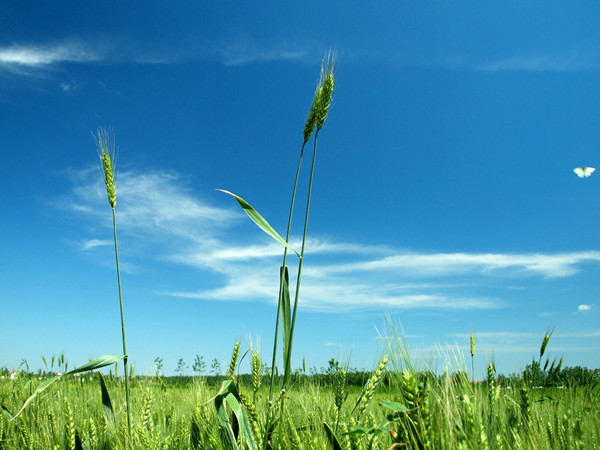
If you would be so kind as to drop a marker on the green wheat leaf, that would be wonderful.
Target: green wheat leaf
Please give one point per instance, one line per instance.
(260, 220)
(228, 395)
(286, 315)
(106, 403)
(333, 440)
(101, 361)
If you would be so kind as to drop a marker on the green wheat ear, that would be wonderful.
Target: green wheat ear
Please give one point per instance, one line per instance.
(326, 85)
(106, 150)
(311, 120)
(545, 342)
(322, 98)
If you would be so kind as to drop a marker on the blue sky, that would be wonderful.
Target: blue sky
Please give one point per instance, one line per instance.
(444, 194)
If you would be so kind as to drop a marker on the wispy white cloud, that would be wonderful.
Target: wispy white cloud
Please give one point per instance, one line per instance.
(162, 217)
(548, 265)
(35, 56)
(246, 50)
(36, 59)
(496, 335)
(93, 243)
(550, 62)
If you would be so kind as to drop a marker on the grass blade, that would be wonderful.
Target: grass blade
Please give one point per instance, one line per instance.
(228, 396)
(7, 412)
(260, 220)
(332, 437)
(286, 314)
(101, 361)
(108, 408)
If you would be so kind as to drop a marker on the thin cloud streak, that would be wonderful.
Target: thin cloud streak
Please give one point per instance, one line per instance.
(246, 50)
(547, 265)
(565, 62)
(161, 216)
(93, 243)
(34, 56)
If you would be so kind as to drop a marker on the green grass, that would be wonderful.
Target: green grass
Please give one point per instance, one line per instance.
(408, 408)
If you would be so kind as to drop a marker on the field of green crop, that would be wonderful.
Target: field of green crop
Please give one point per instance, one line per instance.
(395, 406)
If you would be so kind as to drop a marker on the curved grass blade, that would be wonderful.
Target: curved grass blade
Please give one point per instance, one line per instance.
(228, 396)
(260, 220)
(7, 412)
(101, 361)
(396, 407)
(332, 437)
(286, 315)
(106, 403)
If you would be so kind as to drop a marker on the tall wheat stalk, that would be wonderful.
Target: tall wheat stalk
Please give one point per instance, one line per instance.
(321, 105)
(316, 118)
(106, 151)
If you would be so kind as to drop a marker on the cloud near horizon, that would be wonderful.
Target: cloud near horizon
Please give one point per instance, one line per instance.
(166, 221)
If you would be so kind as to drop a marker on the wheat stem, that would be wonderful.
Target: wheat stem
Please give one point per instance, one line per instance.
(285, 251)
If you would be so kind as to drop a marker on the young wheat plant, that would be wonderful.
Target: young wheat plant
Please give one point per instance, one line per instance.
(106, 151)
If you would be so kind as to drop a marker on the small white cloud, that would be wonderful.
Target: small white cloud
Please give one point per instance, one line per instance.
(584, 307)
(93, 243)
(67, 87)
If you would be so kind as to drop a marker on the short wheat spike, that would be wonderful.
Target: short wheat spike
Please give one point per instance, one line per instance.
(371, 385)
(545, 343)
(311, 120)
(234, 359)
(339, 394)
(147, 421)
(469, 416)
(70, 424)
(499, 442)
(253, 417)
(93, 433)
(525, 405)
(106, 150)
(146, 428)
(295, 441)
(256, 374)
(410, 389)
